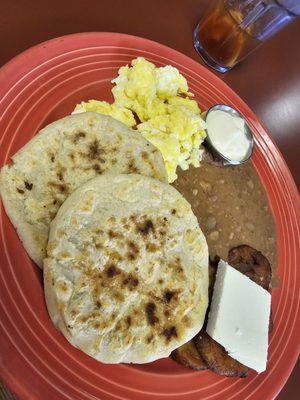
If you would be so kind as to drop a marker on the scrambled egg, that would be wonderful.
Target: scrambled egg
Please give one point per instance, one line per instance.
(167, 115)
(102, 107)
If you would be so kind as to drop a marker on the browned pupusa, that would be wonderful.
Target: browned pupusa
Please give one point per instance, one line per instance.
(60, 158)
(126, 274)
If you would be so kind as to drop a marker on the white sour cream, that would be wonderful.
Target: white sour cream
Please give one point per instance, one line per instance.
(227, 134)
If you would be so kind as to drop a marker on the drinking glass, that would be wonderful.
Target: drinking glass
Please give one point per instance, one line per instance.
(231, 29)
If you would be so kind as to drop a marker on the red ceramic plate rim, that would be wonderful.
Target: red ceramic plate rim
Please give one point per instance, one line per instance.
(12, 71)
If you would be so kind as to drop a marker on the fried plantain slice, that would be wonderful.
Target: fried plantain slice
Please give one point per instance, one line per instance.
(188, 356)
(251, 263)
(216, 357)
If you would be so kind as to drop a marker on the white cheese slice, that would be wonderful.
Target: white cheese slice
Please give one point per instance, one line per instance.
(239, 317)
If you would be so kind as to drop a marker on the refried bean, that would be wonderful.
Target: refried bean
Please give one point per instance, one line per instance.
(232, 208)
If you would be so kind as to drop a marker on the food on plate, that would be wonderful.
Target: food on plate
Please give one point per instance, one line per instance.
(143, 88)
(126, 277)
(212, 353)
(251, 263)
(189, 356)
(209, 354)
(166, 114)
(228, 135)
(60, 158)
(231, 204)
(126, 266)
(216, 357)
(121, 114)
(239, 317)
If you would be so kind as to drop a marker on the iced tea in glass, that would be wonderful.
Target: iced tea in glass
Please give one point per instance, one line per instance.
(231, 29)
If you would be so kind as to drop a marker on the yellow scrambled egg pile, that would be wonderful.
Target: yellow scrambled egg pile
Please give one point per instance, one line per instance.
(167, 115)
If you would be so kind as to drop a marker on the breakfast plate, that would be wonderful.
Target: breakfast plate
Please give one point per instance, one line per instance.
(44, 84)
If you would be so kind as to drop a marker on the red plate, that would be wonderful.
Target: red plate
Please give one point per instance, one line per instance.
(43, 84)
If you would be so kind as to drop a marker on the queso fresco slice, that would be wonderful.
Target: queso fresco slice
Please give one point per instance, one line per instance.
(239, 317)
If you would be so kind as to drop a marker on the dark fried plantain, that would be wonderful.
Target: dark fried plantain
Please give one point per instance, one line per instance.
(188, 356)
(216, 357)
(251, 263)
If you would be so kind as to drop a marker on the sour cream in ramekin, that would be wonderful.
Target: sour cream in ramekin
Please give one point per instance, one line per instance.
(228, 134)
